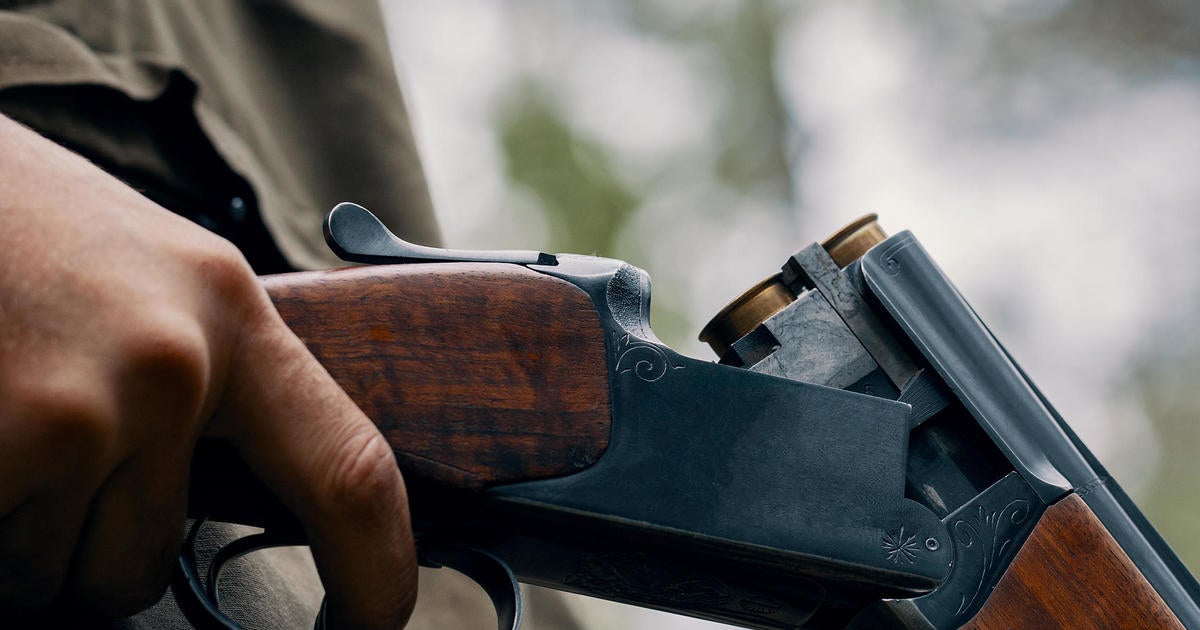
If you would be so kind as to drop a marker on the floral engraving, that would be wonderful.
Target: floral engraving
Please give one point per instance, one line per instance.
(646, 360)
(899, 547)
(993, 532)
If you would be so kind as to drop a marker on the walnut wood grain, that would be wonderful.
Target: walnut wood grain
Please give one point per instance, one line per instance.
(1071, 574)
(477, 374)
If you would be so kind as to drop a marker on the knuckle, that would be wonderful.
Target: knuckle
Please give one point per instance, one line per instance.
(362, 472)
(225, 271)
(170, 353)
(65, 411)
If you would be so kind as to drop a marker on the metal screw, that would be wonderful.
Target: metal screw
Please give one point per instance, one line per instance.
(932, 544)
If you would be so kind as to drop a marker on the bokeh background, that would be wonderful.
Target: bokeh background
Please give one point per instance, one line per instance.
(1045, 151)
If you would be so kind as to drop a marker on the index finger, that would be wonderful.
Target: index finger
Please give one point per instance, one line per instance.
(312, 446)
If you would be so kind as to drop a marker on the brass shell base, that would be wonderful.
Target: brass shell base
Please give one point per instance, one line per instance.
(768, 297)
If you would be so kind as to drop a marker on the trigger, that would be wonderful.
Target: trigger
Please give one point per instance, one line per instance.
(486, 570)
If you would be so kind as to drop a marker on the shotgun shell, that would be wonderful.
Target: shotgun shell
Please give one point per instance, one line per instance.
(768, 297)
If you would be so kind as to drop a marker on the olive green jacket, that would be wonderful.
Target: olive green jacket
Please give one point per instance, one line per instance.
(253, 118)
(298, 97)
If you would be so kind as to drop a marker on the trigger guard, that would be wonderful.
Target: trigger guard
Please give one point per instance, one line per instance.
(486, 570)
(199, 600)
(190, 594)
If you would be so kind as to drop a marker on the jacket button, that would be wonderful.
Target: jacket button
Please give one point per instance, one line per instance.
(237, 209)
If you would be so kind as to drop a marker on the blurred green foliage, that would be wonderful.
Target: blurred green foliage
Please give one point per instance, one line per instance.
(583, 199)
(1167, 388)
(754, 128)
(582, 195)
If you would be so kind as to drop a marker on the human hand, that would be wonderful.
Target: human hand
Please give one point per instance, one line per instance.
(126, 333)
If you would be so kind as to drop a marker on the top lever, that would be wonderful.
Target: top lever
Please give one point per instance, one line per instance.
(356, 235)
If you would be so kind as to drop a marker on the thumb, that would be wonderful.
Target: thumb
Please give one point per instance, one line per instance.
(312, 446)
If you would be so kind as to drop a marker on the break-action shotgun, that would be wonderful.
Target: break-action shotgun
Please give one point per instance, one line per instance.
(865, 453)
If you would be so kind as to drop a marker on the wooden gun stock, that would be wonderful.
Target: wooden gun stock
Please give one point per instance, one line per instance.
(1072, 574)
(477, 373)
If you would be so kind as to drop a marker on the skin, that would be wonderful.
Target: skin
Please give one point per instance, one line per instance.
(126, 333)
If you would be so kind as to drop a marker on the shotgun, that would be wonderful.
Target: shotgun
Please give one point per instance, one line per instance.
(865, 454)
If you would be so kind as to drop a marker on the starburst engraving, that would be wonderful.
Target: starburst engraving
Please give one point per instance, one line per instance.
(899, 547)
